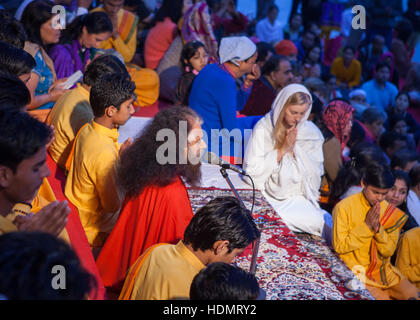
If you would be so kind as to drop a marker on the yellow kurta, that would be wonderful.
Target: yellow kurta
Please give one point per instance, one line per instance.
(350, 75)
(71, 112)
(126, 43)
(166, 273)
(408, 256)
(352, 240)
(90, 184)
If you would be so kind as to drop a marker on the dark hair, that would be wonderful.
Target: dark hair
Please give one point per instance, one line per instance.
(394, 119)
(404, 93)
(351, 173)
(171, 9)
(139, 167)
(188, 51)
(110, 90)
(11, 30)
(34, 16)
(263, 48)
(357, 134)
(103, 65)
(349, 48)
(27, 261)
(373, 114)
(401, 175)
(309, 51)
(95, 23)
(414, 175)
(403, 157)
(13, 92)
(381, 65)
(14, 60)
(378, 176)
(21, 136)
(223, 218)
(389, 138)
(404, 29)
(222, 281)
(273, 64)
(272, 7)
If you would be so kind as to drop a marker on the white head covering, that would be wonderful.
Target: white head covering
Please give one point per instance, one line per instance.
(357, 92)
(281, 99)
(235, 49)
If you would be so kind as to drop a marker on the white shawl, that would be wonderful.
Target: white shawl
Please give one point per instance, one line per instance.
(292, 176)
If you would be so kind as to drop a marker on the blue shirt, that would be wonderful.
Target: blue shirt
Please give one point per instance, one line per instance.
(380, 97)
(215, 98)
(46, 79)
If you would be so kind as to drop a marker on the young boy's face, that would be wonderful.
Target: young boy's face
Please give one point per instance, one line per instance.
(126, 111)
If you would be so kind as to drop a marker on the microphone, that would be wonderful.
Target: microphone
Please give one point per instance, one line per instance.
(212, 158)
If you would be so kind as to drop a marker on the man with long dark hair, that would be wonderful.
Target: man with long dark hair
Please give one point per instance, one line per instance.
(157, 208)
(366, 230)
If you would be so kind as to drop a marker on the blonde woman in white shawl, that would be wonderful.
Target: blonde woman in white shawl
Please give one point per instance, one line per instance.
(284, 157)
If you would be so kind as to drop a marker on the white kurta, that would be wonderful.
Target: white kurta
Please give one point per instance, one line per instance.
(291, 185)
(267, 32)
(413, 204)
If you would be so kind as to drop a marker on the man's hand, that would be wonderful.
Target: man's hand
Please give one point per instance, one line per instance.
(51, 219)
(372, 218)
(253, 75)
(114, 20)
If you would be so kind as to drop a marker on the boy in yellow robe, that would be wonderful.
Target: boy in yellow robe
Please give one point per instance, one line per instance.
(218, 232)
(124, 40)
(23, 170)
(365, 235)
(72, 111)
(408, 256)
(90, 184)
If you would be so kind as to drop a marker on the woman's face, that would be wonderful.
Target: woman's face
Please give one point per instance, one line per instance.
(92, 40)
(349, 125)
(50, 31)
(314, 54)
(402, 103)
(398, 193)
(401, 127)
(376, 127)
(200, 59)
(293, 114)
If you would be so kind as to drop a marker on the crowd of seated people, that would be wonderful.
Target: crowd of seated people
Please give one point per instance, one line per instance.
(326, 120)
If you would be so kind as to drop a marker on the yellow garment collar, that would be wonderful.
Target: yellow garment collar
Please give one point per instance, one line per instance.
(185, 252)
(111, 133)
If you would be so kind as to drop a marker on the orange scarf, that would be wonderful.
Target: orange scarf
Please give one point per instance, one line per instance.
(127, 289)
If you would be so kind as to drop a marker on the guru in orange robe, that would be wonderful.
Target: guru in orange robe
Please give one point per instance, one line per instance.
(156, 215)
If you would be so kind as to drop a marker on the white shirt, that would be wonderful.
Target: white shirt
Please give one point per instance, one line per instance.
(413, 204)
(267, 32)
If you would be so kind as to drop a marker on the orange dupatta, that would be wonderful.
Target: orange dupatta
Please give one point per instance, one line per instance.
(127, 289)
(392, 219)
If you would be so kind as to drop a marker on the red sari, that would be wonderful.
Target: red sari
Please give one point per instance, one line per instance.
(156, 215)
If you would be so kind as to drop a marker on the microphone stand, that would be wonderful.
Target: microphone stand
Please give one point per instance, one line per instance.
(256, 246)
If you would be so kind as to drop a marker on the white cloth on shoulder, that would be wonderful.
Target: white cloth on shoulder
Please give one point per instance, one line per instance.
(235, 49)
(291, 185)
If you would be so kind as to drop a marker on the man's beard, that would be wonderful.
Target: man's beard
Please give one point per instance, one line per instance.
(191, 173)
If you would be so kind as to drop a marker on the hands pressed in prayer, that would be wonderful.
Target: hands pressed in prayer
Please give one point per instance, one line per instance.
(51, 219)
(114, 20)
(372, 218)
(289, 143)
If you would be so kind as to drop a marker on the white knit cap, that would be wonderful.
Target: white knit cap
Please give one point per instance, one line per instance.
(235, 49)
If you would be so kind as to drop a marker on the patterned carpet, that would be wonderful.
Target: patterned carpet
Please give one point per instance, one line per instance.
(290, 266)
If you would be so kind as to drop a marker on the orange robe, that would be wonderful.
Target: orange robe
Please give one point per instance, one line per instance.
(156, 215)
